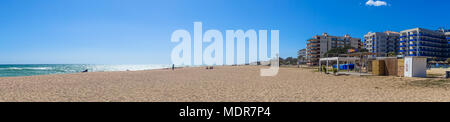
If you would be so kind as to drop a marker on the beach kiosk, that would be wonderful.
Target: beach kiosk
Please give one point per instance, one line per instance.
(415, 66)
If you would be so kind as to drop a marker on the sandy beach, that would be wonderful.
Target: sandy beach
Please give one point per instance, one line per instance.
(222, 84)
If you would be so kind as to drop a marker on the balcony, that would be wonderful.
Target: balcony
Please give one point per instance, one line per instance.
(314, 48)
(314, 52)
(435, 41)
(313, 45)
(432, 45)
(430, 35)
(313, 41)
(432, 50)
(431, 54)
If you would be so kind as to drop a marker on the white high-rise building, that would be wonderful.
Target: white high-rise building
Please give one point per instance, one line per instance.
(423, 42)
(382, 43)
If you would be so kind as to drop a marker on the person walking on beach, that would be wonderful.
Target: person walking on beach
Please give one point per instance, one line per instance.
(173, 67)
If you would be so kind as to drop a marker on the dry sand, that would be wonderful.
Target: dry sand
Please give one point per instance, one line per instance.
(437, 71)
(222, 84)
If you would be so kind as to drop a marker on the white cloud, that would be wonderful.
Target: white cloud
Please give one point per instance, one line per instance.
(376, 3)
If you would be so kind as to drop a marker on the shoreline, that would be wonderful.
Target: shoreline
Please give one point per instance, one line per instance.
(165, 68)
(22, 70)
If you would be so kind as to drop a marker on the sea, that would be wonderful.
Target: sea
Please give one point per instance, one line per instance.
(14, 70)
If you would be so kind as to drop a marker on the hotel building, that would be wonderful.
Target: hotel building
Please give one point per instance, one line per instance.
(320, 44)
(382, 42)
(424, 42)
(447, 35)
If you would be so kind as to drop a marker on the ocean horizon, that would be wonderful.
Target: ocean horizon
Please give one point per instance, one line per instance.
(15, 70)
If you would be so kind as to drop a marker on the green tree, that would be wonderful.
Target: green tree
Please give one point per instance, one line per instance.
(363, 50)
(281, 60)
(342, 50)
(391, 54)
(335, 51)
(290, 61)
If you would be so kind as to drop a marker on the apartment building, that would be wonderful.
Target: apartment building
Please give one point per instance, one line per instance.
(447, 35)
(302, 56)
(382, 43)
(423, 42)
(302, 53)
(320, 44)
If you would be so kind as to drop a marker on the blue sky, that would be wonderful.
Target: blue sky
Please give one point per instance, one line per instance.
(138, 31)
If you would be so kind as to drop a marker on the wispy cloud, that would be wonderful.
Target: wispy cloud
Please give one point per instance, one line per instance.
(376, 3)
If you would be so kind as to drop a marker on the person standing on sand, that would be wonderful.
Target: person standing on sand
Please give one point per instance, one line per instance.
(173, 67)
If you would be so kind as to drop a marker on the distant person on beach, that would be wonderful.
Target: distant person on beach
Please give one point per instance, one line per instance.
(173, 67)
(86, 70)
